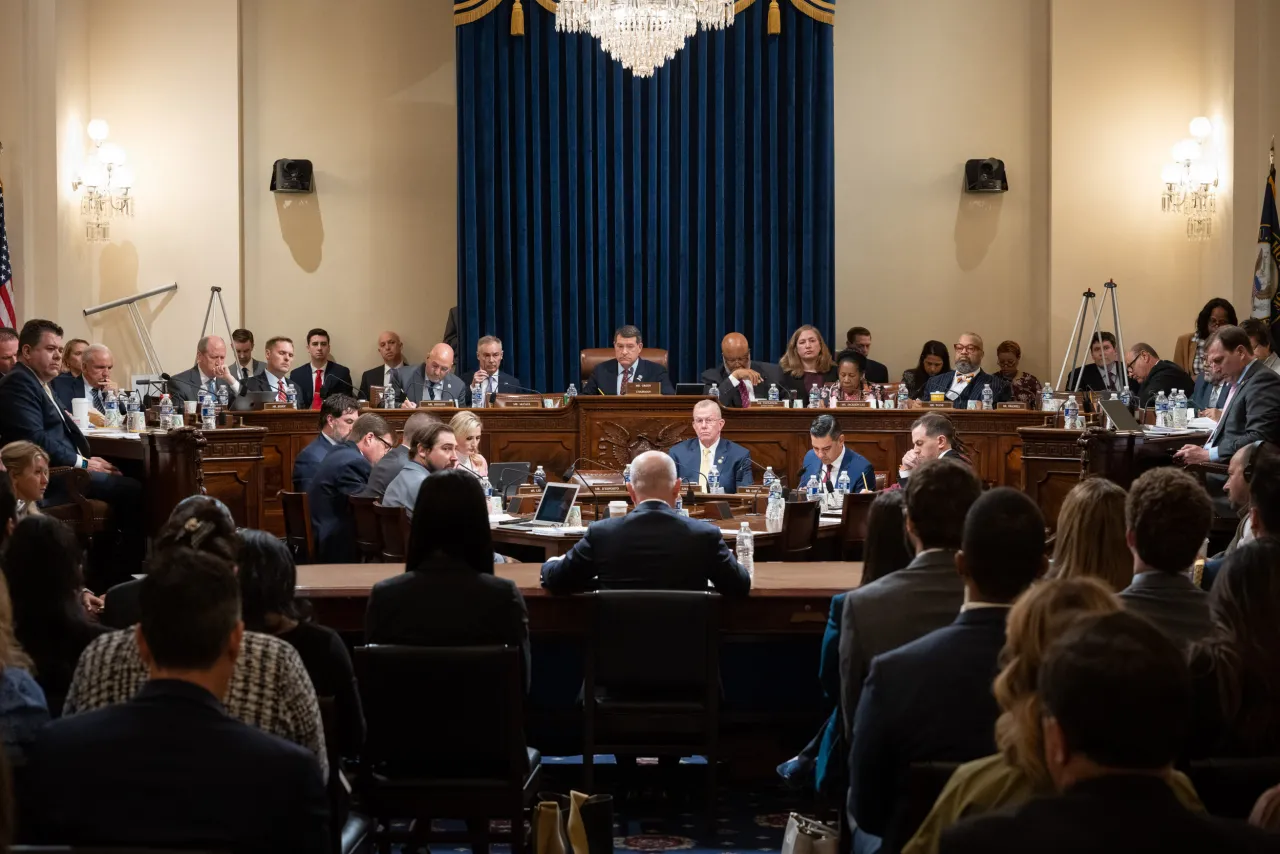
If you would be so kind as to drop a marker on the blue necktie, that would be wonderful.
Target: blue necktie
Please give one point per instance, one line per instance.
(213, 388)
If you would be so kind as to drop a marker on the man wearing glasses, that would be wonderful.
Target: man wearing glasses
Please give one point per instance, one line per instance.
(695, 457)
(1153, 374)
(345, 472)
(963, 386)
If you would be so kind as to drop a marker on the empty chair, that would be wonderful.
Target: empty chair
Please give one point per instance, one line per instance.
(368, 533)
(297, 525)
(799, 530)
(393, 524)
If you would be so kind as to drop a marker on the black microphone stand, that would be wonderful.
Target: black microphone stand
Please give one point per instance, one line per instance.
(572, 470)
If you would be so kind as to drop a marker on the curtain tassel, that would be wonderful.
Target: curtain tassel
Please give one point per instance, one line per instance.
(517, 19)
(775, 18)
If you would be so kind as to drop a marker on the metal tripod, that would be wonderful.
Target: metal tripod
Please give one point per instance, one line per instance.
(215, 295)
(1077, 332)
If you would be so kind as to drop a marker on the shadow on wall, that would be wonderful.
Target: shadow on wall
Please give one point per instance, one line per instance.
(301, 226)
(118, 277)
(977, 223)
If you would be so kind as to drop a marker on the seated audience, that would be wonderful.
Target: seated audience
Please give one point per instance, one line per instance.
(489, 374)
(209, 373)
(246, 366)
(695, 457)
(1090, 538)
(858, 339)
(965, 383)
(28, 468)
(275, 377)
(432, 380)
(612, 375)
(170, 768)
(320, 377)
(1105, 373)
(92, 384)
(807, 363)
(1167, 517)
(1259, 332)
(1154, 375)
(73, 357)
(1017, 772)
(344, 472)
(935, 359)
(466, 429)
(432, 449)
(851, 379)
(391, 349)
(1237, 489)
(8, 349)
(23, 710)
(740, 380)
(933, 437)
(1023, 387)
(924, 595)
(651, 548)
(1189, 351)
(448, 594)
(8, 512)
(829, 457)
(41, 563)
(1116, 696)
(385, 470)
(338, 413)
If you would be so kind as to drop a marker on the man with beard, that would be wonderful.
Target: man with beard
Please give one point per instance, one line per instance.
(966, 382)
(435, 449)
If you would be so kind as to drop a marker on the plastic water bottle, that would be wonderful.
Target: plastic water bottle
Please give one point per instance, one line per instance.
(811, 488)
(842, 485)
(713, 481)
(680, 503)
(904, 396)
(111, 417)
(1111, 425)
(1046, 398)
(292, 396)
(208, 416)
(1162, 410)
(769, 476)
(626, 473)
(540, 477)
(777, 505)
(746, 548)
(224, 396)
(814, 397)
(1070, 413)
(1179, 409)
(987, 398)
(134, 410)
(477, 396)
(773, 392)
(486, 486)
(388, 398)
(1125, 397)
(570, 393)
(166, 412)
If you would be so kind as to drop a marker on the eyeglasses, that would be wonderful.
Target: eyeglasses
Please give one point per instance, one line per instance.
(970, 348)
(1129, 367)
(698, 421)
(384, 442)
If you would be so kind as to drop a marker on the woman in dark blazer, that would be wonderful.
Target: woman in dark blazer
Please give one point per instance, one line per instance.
(448, 595)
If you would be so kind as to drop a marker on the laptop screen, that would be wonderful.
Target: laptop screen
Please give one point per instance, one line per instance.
(557, 501)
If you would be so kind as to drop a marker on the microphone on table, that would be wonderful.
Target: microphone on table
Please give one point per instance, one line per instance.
(174, 381)
(572, 470)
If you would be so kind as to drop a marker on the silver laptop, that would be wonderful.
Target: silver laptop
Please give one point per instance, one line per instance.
(553, 509)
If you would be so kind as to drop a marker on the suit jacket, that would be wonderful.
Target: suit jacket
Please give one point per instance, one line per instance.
(1165, 376)
(1173, 603)
(373, 377)
(385, 470)
(604, 379)
(729, 394)
(403, 491)
(337, 380)
(26, 412)
(1253, 414)
(170, 769)
(853, 463)
(876, 372)
(651, 548)
(1091, 378)
(796, 384)
(507, 384)
(67, 387)
(973, 391)
(446, 603)
(343, 472)
(927, 701)
(411, 382)
(733, 461)
(450, 336)
(1115, 814)
(264, 382)
(949, 453)
(187, 384)
(255, 368)
(308, 460)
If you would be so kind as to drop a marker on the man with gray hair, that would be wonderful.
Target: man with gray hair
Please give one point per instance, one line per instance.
(490, 374)
(651, 548)
(92, 384)
(209, 374)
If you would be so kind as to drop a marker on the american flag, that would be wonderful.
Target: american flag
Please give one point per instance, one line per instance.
(8, 317)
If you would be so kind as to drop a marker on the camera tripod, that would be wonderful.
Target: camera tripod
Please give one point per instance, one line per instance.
(1077, 332)
(215, 295)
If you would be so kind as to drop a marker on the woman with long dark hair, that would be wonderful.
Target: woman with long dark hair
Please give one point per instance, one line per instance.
(935, 359)
(1188, 353)
(887, 547)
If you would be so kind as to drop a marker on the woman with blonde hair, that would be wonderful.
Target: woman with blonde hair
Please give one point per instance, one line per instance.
(807, 362)
(28, 467)
(1017, 772)
(466, 429)
(1090, 540)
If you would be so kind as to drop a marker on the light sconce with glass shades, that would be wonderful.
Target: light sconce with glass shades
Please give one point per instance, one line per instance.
(1191, 182)
(105, 184)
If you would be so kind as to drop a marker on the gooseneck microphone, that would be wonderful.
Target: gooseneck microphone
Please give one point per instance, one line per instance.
(572, 470)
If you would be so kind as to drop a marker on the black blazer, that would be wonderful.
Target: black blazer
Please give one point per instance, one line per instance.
(264, 382)
(796, 384)
(308, 461)
(370, 378)
(1173, 603)
(973, 391)
(729, 394)
(927, 701)
(1115, 814)
(343, 472)
(446, 603)
(651, 548)
(876, 372)
(604, 379)
(337, 380)
(1253, 413)
(507, 384)
(1165, 376)
(170, 769)
(67, 387)
(26, 412)
(1091, 378)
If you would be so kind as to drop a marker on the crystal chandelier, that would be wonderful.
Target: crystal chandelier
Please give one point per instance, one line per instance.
(642, 34)
(1191, 182)
(104, 182)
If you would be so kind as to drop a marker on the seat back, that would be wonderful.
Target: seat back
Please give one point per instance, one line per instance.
(1230, 787)
(799, 529)
(717, 510)
(680, 652)
(393, 527)
(853, 521)
(297, 525)
(925, 781)
(368, 533)
(589, 358)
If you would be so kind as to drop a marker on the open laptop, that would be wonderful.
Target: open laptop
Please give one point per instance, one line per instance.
(251, 400)
(692, 388)
(505, 477)
(1120, 416)
(553, 509)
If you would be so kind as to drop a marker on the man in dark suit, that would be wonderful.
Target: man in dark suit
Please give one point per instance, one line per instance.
(170, 768)
(829, 457)
(739, 379)
(344, 472)
(210, 373)
(1252, 408)
(925, 595)
(930, 700)
(275, 377)
(391, 349)
(1116, 698)
(385, 470)
(1105, 373)
(8, 349)
(432, 380)
(933, 437)
(490, 374)
(451, 328)
(246, 366)
(1155, 375)
(320, 378)
(612, 376)
(29, 411)
(695, 457)
(858, 339)
(93, 383)
(1167, 514)
(338, 415)
(651, 548)
(967, 381)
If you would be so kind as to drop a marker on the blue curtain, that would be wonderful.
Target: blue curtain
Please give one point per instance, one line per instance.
(694, 203)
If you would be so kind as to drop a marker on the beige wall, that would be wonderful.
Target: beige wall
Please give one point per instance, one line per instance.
(366, 92)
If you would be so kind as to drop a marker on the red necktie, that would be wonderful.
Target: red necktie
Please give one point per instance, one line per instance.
(280, 393)
(315, 399)
(626, 378)
(745, 394)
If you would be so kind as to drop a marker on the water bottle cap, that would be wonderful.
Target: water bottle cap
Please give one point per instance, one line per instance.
(746, 526)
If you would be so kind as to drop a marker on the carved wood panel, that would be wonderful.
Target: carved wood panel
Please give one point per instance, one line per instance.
(554, 453)
(237, 487)
(618, 442)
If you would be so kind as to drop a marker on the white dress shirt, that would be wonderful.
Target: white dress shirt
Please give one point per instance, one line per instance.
(277, 384)
(387, 371)
(635, 366)
(751, 390)
(204, 383)
(834, 467)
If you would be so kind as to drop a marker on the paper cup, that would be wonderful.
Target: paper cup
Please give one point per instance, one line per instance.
(617, 508)
(189, 406)
(80, 412)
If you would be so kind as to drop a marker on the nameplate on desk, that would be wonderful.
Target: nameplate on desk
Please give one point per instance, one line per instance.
(423, 403)
(268, 405)
(644, 388)
(753, 489)
(768, 404)
(519, 401)
(938, 404)
(853, 404)
(1011, 404)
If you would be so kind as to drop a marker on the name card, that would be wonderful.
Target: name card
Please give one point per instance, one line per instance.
(853, 404)
(436, 403)
(938, 404)
(519, 401)
(753, 489)
(768, 404)
(272, 404)
(1011, 404)
(644, 388)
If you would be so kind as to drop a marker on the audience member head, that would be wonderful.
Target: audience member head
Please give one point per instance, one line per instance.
(96, 365)
(653, 476)
(190, 626)
(858, 338)
(40, 348)
(935, 359)
(1140, 359)
(887, 548)
(467, 429)
(1117, 699)
(1090, 540)
(708, 421)
(242, 343)
(391, 349)
(1215, 314)
(268, 582)
(72, 352)
(1237, 485)
(280, 355)
(1167, 516)
(211, 356)
(338, 413)
(1002, 550)
(439, 363)
(42, 566)
(1036, 620)
(735, 352)
(8, 509)
(968, 353)
(826, 437)
(435, 448)
(8, 349)
(627, 344)
(939, 495)
(28, 467)
(414, 426)
(932, 435)
(852, 367)
(1259, 333)
(372, 436)
(806, 351)
(201, 523)
(1103, 348)
(489, 354)
(1229, 352)
(451, 520)
(1264, 490)
(1008, 357)
(318, 346)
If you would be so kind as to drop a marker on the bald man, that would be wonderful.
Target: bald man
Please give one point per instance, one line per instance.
(739, 379)
(391, 349)
(432, 380)
(965, 384)
(210, 373)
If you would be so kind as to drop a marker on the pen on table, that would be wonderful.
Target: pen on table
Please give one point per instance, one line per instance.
(865, 488)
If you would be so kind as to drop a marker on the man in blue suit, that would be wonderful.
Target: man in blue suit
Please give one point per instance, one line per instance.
(829, 458)
(330, 377)
(695, 457)
(967, 381)
(337, 416)
(612, 376)
(343, 473)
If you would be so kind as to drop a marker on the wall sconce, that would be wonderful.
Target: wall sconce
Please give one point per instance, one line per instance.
(105, 183)
(1191, 182)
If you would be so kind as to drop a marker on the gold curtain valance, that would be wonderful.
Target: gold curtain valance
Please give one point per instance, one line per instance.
(467, 11)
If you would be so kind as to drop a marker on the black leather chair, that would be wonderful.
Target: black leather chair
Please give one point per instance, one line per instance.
(799, 530)
(368, 532)
(445, 740)
(393, 526)
(352, 832)
(297, 525)
(652, 683)
(1230, 787)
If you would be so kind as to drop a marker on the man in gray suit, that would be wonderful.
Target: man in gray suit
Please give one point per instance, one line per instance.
(926, 595)
(246, 366)
(1167, 517)
(386, 469)
(432, 380)
(209, 374)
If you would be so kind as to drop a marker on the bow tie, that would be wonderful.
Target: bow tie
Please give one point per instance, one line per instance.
(966, 377)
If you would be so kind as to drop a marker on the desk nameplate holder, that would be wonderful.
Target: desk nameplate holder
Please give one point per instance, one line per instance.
(438, 403)
(768, 404)
(644, 388)
(519, 401)
(938, 404)
(853, 404)
(1012, 404)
